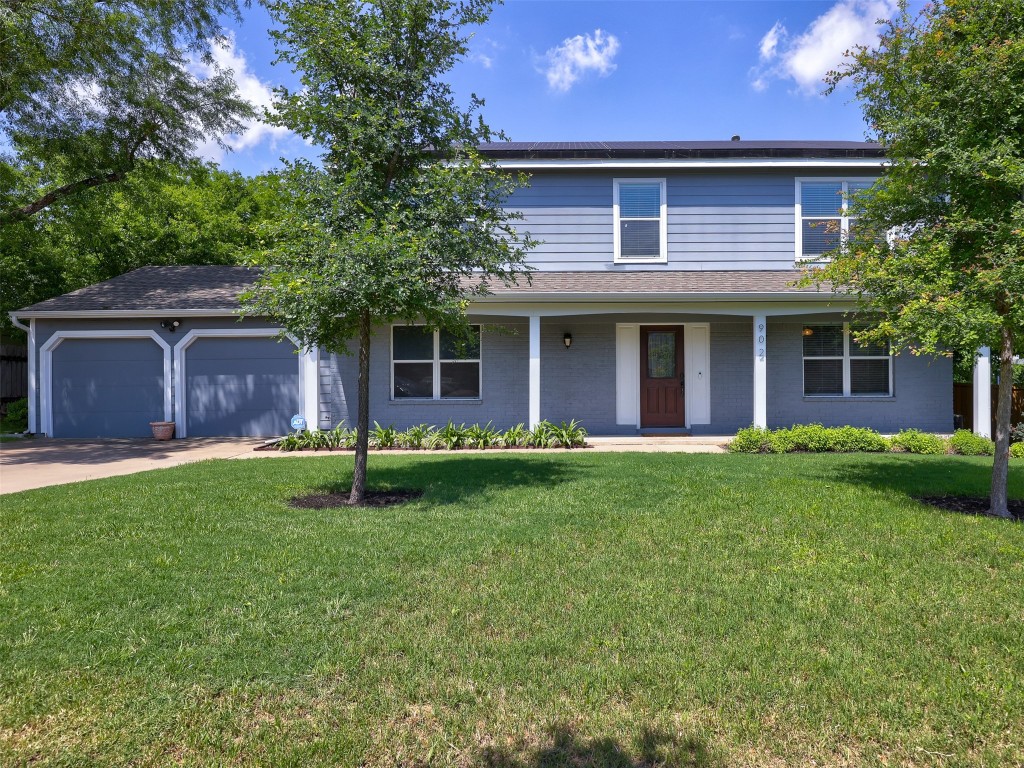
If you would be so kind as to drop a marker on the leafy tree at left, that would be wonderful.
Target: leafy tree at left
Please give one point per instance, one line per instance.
(90, 90)
(161, 214)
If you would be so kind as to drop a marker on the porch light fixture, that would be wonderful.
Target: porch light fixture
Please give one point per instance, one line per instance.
(567, 339)
(170, 325)
(808, 331)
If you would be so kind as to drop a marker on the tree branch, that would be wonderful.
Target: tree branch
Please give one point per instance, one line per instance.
(59, 193)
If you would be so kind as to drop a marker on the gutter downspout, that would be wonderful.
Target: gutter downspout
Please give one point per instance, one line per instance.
(33, 393)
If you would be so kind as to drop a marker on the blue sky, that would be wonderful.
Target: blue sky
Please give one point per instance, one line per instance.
(578, 70)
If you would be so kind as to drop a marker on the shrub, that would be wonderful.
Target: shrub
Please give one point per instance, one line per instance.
(418, 436)
(16, 419)
(916, 441)
(543, 435)
(966, 443)
(384, 437)
(516, 436)
(451, 437)
(752, 440)
(483, 437)
(1017, 451)
(850, 439)
(571, 435)
(1017, 433)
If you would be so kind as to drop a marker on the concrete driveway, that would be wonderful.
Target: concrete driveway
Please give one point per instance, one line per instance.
(35, 463)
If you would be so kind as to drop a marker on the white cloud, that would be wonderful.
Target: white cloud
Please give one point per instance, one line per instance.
(806, 58)
(568, 62)
(250, 88)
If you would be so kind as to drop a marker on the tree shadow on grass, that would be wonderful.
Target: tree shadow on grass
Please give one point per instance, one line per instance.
(652, 748)
(926, 476)
(454, 479)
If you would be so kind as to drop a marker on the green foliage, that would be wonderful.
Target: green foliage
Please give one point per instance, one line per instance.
(1017, 433)
(159, 215)
(966, 443)
(417, 436)
(1017, 451)
(915, 441)
(483, 436)
(89, 90)
(809, 438)
(16, 419)
(752, 440)
(571, 435)
(516, 436)
(384, 437)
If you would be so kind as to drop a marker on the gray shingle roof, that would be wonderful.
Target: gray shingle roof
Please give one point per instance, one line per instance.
(157, 289)
(759, 282)
(215, 289)
(689, 150)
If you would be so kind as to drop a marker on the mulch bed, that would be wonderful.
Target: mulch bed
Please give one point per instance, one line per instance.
(970, 505)
(370, 499)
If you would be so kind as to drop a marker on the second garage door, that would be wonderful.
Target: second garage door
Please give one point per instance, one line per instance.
(241, 387)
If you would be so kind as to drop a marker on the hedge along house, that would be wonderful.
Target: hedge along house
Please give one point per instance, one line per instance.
(663, 299)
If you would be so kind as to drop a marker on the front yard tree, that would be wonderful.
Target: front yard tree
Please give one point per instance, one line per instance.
(403, 219)
(938, 250)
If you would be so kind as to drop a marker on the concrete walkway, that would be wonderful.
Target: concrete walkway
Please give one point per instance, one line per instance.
(40, 462)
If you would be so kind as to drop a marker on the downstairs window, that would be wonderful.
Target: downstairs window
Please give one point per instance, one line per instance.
(837, 365)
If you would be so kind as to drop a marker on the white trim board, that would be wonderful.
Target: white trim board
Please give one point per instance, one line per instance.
(308, 363)
(46, 367)
(838, 163)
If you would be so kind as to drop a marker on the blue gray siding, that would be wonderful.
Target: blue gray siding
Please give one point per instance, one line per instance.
(716, 220)
(107, 387)
(922, 396)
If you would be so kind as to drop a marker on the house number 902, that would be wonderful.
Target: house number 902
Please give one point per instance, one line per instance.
(760, 341)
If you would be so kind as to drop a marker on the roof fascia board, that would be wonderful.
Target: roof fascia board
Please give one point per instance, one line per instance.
(124, 313)
(634, 297)
(768, 162)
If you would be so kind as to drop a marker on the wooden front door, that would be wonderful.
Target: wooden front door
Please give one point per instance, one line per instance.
(661, 377)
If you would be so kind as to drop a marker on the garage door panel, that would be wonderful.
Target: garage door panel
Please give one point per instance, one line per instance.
(241, 387)
(106, 387)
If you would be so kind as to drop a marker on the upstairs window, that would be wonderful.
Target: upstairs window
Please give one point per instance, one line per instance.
(434, 365)
(822, 212)
(641, 230)
(836, 365)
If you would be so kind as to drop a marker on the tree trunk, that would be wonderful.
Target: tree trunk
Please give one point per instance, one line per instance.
(1004, 404)
(358, 493)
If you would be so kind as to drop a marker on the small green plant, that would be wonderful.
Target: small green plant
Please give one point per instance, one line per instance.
(571, 435)
(966, 443)
(916, 441)
(384, 437)
(516, 436)
(482, 437)
(1017, 451)
(543, 435)
(16, 419)
(451, 437)
(417, 437)
(290, 442)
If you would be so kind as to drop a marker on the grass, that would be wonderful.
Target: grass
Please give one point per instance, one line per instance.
(529, 610)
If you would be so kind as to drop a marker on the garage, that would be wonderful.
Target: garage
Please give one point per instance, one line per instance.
(239, 386)
(105, 387)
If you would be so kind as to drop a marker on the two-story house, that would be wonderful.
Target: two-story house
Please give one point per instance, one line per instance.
(663, 299)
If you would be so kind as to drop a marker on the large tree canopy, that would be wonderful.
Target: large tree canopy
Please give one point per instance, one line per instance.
(404, 217)
(90, 89)
(160, 215)
(938, 248)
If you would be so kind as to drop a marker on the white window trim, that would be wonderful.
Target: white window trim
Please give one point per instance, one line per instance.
(436, 363)
(308, 362)
(844, 218)
(46, 367)
(846, 358)
(662, 229)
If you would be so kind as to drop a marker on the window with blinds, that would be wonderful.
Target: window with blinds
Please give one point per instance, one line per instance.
(823, 208)
(434, 365)
(640, 220)
(837, 365)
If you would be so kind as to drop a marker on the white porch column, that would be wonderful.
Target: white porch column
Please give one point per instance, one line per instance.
(311, 387)
(33, 385)
(760, 371)
(534, 370)
(983, 392)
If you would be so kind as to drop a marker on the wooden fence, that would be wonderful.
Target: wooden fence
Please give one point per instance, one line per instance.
(13, 372)
(963, 404)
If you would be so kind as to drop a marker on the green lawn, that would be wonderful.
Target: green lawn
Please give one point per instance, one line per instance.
(529, 610)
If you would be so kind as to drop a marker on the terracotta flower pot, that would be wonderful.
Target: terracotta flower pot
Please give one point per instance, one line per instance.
(162, 430)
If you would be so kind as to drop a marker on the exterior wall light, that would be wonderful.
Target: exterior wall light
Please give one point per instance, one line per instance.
(170, 325)
(567, 340)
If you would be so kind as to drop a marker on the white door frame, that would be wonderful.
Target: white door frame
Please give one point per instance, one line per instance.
(308, 362)
(627, 372)
(46, 367)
